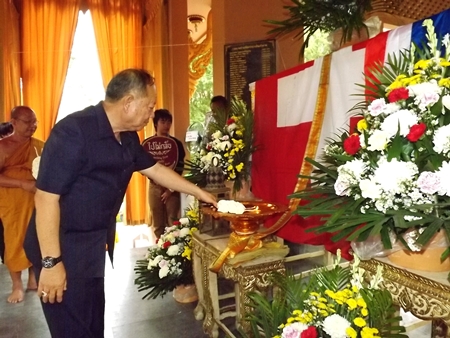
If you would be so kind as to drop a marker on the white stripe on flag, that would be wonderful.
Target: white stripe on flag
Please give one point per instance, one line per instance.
(347, 68)
(297, 94)
(398, 39)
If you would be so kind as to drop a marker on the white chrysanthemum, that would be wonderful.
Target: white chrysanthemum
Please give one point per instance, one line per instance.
(342, 186)
(184, 221)
(354, 169)
(229, 206)
(441, 140)
(394, 175)
(173, 250)
(446, 101)
(444, 179)
(225, 145)
(216, 135)
(293, 330)
(336, 326)
(184, 232)
(391, 108)
(402, 119)
(425, 94)
(207, 158)
(154, 262)
(164, 271)
(378, 140)
(231, 127)
(370, 189)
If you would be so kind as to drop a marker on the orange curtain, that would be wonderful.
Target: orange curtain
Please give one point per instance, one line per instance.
(9, 59)
(47, 32)
(118, 32)
(155, 42)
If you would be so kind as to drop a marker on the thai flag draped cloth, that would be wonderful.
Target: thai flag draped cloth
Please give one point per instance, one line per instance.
(286, 106)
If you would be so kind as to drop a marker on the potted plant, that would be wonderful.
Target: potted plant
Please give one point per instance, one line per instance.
(306, 17)
(390, 176)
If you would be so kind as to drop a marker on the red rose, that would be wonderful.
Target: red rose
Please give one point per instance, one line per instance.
(398, 94)
(416, 132)
(166, 245)
(352, 144)
(176, 223)
(230, 121)
(310, 332)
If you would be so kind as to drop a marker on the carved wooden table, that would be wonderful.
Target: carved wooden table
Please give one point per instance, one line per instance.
(249, 276)
(425, 294)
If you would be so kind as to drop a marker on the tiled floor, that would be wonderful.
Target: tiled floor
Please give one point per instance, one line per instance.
(127, 315)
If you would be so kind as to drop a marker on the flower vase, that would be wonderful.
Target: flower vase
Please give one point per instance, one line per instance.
(429, 259)
(185, 293)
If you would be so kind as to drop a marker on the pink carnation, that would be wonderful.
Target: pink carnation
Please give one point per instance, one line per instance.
(429, 182)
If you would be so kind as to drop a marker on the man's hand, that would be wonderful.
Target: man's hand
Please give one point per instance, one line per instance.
(28, 185)
(165, 195)
(206, 197)
(52, 283)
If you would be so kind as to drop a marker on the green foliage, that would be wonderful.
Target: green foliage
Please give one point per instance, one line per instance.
(308, 16)
(296, 294)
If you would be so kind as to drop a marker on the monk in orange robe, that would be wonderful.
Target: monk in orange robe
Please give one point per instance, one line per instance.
(17, 188)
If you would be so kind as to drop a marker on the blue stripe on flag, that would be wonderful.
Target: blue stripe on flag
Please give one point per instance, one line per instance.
(441, 24)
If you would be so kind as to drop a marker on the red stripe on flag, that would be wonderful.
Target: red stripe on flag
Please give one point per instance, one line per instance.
(375, 52)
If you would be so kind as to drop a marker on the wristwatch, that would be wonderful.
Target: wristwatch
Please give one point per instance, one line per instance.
(49, 262)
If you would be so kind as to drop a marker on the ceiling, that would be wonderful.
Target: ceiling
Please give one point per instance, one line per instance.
(202, 8)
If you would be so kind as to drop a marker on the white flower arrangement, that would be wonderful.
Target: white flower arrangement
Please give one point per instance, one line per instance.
(169, 262)
(392, 173)
(228, 144)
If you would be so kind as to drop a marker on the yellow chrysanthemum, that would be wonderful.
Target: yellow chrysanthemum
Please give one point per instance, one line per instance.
(187, 253)
(445, 82)
(351, 303)
(360, 322)
(239, 167)
(361, 302)
(364, 312)
(290, 320)
(239, 133)
(351, 332)
(369, 332)
(422, 64)
(193, 229)
(362, 125)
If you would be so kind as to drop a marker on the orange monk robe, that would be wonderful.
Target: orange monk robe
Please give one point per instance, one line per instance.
(16, 204)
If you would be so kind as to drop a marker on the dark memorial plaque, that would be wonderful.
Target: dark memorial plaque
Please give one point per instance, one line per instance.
(163, 149)
(246, 63)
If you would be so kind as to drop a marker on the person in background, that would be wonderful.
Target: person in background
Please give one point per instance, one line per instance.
(218, 102)
(165, 203)
(17, 188)
(6, 129)
(85, 168)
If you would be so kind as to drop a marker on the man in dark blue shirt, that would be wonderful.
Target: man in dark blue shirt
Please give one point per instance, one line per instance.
(85, 168)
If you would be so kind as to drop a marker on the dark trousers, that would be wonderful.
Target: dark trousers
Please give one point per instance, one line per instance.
(81, 314)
